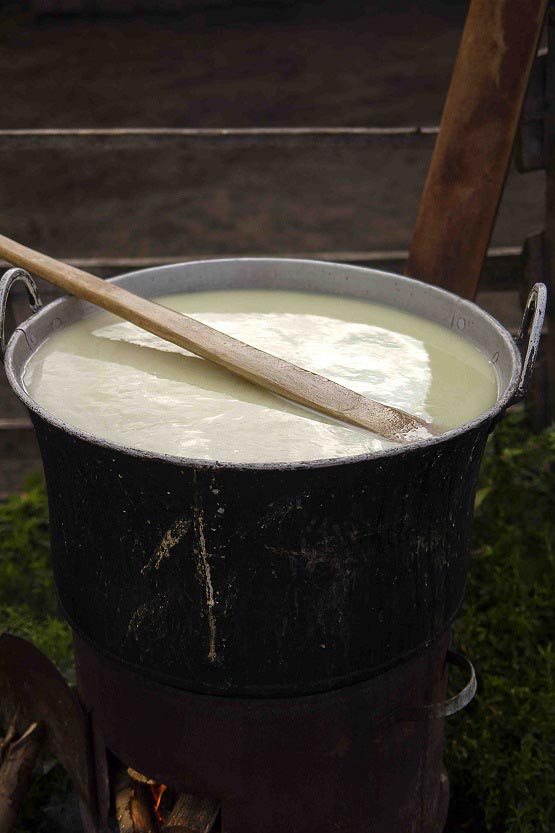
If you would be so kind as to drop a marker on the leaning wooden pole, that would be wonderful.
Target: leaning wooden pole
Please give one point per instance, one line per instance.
(472, 153)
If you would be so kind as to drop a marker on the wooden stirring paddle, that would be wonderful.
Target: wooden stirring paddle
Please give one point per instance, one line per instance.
(263, 369)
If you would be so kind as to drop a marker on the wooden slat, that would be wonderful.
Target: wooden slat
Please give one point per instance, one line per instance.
(204, 193)
(132, 7)
(86, 200)
(501, 269)
(135, 138)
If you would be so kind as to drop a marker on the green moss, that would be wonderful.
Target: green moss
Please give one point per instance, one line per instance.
(28, 606)
(501, 751)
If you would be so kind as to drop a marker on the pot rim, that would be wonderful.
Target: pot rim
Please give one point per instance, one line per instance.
(504, 400)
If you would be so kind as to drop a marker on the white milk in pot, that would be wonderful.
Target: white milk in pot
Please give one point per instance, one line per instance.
(108, 378)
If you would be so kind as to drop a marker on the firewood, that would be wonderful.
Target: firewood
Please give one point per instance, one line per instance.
(10, 735)
(192, 814)
(15, 773)
(133, 800)
(138, 776)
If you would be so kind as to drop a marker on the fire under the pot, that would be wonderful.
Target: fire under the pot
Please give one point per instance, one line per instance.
(326, 762)
(140, 805)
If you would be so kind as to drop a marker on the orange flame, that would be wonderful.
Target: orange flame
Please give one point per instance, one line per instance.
(158, 791)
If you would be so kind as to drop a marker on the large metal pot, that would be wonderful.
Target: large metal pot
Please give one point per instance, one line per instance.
(281, 578)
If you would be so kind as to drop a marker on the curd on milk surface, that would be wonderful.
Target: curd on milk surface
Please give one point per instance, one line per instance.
(111, 379)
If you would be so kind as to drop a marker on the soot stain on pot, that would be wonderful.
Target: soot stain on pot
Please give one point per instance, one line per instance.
(204, 571)
(209, 590)
(173, 536)
(149, 620)
(313, 625)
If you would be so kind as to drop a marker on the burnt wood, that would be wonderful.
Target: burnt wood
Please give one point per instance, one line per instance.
(133, 804)
(30, 683)
(192, 814)
(15, 775)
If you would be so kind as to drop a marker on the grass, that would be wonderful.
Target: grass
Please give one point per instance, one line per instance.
(500, 752)
(28, 605)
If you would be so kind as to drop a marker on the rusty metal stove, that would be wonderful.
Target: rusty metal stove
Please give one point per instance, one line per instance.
(367, 756)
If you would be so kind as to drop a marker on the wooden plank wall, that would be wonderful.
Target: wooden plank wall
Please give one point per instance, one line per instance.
(162, 193)
(131, 7)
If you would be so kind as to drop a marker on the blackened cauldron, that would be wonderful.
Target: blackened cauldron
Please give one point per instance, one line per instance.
(282, 579)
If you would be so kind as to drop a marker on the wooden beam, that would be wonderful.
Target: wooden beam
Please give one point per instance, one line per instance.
(466, 176)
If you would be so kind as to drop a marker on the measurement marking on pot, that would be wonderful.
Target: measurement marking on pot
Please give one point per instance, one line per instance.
(458, 323)
(173, 536)
(208, 589)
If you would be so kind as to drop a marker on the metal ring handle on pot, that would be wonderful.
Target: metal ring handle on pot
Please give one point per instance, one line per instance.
(445, 708)
(8, 280)
(529, 336)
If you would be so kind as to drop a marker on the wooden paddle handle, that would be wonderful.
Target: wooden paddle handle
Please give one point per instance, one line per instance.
(275, 374)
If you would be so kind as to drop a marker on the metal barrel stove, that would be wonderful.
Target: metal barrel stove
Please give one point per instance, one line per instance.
(288, 653)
